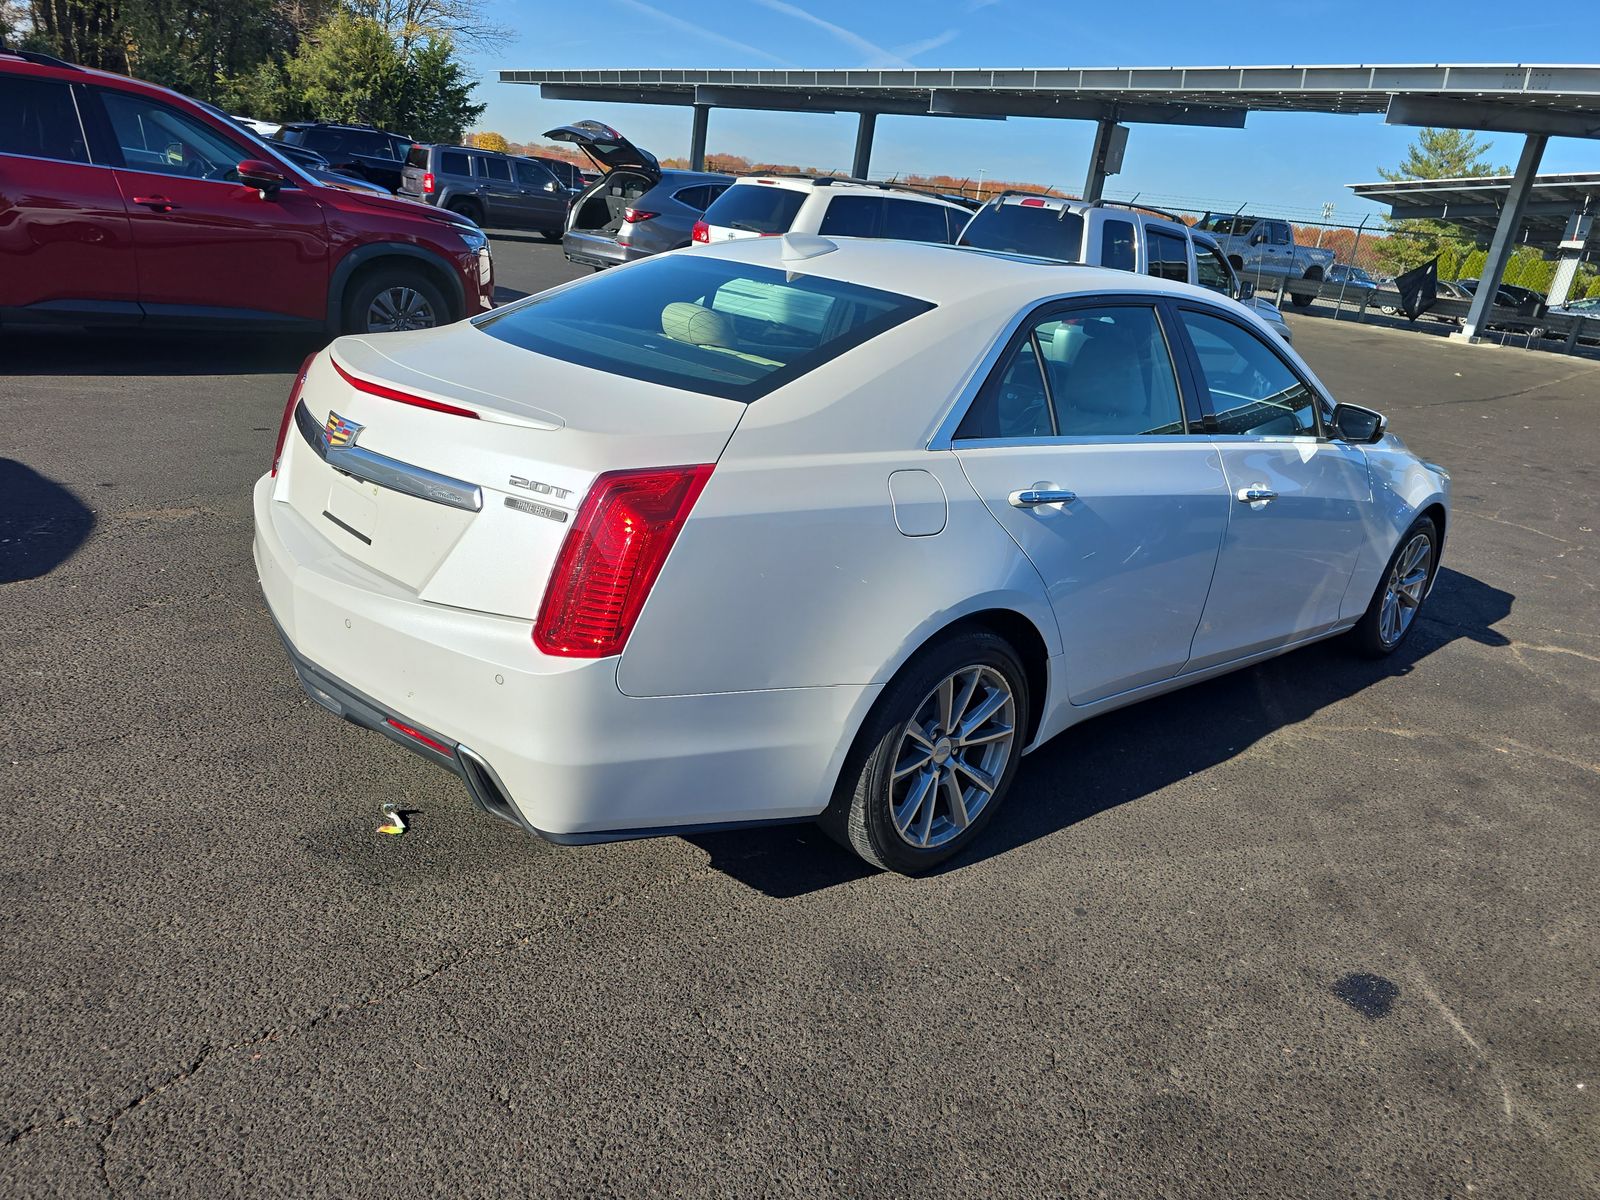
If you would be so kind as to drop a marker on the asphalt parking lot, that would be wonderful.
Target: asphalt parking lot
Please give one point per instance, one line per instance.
(1319, 928)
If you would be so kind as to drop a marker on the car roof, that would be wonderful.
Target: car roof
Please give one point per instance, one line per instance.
(945, 274)
(857, 187)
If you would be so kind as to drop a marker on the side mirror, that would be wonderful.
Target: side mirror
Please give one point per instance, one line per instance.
(1360, 426)
(259, 174)
(1247, 290)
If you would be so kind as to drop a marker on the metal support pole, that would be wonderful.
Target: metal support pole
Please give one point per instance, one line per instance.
(865, 128)
(697, 138)
(1094, 183)
(1505, 237)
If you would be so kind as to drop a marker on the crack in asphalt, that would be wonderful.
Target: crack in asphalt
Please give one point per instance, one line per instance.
(334, 1011)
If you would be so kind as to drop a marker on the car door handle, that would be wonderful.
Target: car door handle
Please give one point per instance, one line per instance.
(1255, 494)
(1030, 497)
(157, 203)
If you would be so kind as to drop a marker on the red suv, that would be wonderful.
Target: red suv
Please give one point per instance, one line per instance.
(124, 203)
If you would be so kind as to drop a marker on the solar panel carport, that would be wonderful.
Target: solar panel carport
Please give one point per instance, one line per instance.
(1538, 101)
(1558, 215)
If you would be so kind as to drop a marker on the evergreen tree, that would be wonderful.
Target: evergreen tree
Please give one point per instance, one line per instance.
(1436, 154)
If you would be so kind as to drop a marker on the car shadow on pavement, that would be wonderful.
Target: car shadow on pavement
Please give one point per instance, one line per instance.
(42, 524)
(66, 352)
(1132, 752)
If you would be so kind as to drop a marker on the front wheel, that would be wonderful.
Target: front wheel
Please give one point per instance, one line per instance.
(392, 299)
(1401, 591)
(936, 756)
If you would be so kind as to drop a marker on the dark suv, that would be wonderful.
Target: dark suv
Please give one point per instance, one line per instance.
(359, 150)
(488, 187)
(125, 203)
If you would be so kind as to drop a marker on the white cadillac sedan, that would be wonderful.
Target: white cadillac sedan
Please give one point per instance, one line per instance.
(795, 529)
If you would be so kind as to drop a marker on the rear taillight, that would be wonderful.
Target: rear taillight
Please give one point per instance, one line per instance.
(389, 393)
(634, 215)
(619, 540)
(288, 410)
(702, 232)
(427, 183)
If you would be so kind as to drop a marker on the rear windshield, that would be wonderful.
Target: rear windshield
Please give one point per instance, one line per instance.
(755, 208)
(705, 325)
(1040, 232)
(418, 157)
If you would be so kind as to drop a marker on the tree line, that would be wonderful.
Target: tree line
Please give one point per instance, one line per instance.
(390, 63)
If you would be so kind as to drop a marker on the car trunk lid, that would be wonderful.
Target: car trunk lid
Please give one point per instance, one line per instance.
(607, 148)
(452, 462)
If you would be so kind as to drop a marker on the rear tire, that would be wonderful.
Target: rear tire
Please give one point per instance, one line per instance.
(552, 235)
(1402, 588)
(1305, 301)
(470, 209)
(391, 299)
(935, 757)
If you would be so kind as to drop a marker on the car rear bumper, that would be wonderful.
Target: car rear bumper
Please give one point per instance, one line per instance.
(550, 744)
(593, 250)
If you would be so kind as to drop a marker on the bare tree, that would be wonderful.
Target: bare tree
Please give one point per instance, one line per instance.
(463, 22)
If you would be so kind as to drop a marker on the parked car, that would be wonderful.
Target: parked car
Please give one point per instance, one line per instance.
(635, 209)
(1588, 311)
(488, 187)
(568, 173)
(128, 204)
(322, 171)
(361, 150)
(761, 206)
(1108, 234)
(1263, 249)
(262, 129)
(1526, 301)
(1351, 278)
(799, 528)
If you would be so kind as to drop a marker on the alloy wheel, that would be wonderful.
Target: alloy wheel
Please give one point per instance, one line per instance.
(1408, 581)
(952, 756)
(399, 308)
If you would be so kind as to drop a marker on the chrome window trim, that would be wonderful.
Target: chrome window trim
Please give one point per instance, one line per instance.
(361, 463)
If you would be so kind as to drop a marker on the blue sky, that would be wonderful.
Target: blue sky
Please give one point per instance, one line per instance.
(1291, 164)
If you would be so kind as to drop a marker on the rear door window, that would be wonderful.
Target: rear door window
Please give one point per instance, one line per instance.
(705, 325)
(914, 221)
(1169, 256)
(497, 169)
(756, 208)
(1116, 246)
(39, 120)
(853, 216)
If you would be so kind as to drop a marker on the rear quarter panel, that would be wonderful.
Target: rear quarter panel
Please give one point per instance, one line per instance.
(792, 571)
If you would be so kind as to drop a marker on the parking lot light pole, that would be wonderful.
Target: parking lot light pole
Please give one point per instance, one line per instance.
(864, 130)
(1505, 237)
(697, 138)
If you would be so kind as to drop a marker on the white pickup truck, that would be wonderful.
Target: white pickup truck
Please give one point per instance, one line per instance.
(1263, 248)
(1108, 234)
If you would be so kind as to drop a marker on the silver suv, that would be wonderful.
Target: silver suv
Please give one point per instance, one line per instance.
(763, 205)
(1107, 234)
(488, 187)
